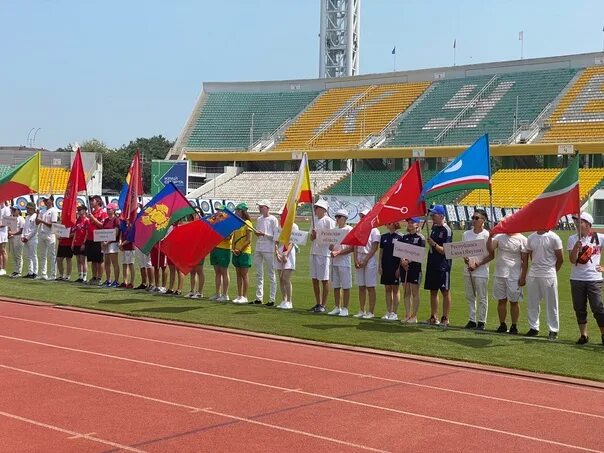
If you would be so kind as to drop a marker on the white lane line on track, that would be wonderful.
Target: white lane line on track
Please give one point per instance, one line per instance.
(72, 434)
(191, 409)
(329, 370)
(301, 392)
(251, 336)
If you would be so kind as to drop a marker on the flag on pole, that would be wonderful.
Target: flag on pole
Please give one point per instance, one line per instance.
(394, 50)
(22, 180)
(188, 244)
(75, 184)
(470, 170)
(401, 201)
(131, 190)
(300, 192)
(560, 198)
(152, 223)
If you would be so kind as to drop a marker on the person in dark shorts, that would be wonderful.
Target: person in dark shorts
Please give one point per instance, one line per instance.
(64, 256)
(438, 267)
(411, 272)
(94, 252)
(388, 269)
(78, 246)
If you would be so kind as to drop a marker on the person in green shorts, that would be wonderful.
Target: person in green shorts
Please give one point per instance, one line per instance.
(242, 253)
(220, 258)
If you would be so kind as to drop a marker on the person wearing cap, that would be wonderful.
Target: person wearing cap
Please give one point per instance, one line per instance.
(476, 273)
(266, 225)
(585, 253)
(78, 246)
(220, 258)
(438, 267)
(110, 249)
(410, 272)
(365, 263)
(545, 250)
(127, 255)
(64, 257)
(285, 264)
(242, 253)
(320, 256)
(29, 237)
(341, 267)
(15, 244)
(94, 253)
(47, 241)
(5, 211)
(389, 270)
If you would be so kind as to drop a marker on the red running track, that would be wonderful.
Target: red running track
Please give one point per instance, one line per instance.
(79, 381)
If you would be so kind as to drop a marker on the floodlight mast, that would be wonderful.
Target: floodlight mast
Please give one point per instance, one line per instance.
(339, 38)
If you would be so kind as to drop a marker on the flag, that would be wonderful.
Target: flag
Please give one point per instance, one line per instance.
(188, 244)
(455, 43)
(400, 202)
(152, 223)
(22, 180)
(394, 50)
(470, 170)
(131, 190)
(299, 193)
(75, 184)
(520, 35)
(560, 198)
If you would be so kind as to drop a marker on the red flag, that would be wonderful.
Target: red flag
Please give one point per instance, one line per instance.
(76, 183)
(400, 202)
(188, 244)
(131, 190)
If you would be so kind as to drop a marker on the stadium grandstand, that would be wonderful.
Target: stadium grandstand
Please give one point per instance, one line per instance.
(361, 132)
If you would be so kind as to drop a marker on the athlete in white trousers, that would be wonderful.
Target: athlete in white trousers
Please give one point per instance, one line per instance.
(266, 226)
(47, 240)
(29, 237)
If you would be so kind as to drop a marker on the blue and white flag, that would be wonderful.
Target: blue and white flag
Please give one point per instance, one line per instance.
(470, 170)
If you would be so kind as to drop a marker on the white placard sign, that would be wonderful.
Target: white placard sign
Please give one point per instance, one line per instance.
(11, 223)
(297, 237)
(104, 235)
(60, 230)
(466, 248)
(331, 237)
(409, 252)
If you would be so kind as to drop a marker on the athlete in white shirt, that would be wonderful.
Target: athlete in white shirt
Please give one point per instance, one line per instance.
(320, 257)
(266, 225)
(545, 250)
(341, 268)
(365, 263)
(4, 212)
(29, 237)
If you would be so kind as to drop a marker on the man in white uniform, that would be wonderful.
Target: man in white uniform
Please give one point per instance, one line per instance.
(341, 268)
(14, 239)
(476, 273)
(320, 257)
(29, 237)
(266, 225)
(46, 240)
(4, 212)
(365, 263)
(545, 250)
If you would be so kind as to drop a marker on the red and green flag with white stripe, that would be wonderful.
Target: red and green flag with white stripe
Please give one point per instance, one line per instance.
(560, 198)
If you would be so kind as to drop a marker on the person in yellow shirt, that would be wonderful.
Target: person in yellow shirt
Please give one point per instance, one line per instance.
(242, 253)
(220, 258)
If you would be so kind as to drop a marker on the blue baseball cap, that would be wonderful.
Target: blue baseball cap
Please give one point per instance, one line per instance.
(437, 209)
(414, 220)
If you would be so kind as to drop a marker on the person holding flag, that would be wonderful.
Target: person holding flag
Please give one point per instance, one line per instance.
(242, 253)
(410, 273)
(285, 264)
(388, 269)
(365, 263)
(266, 226)
(320, 256)
(341, 275)
(47, 240)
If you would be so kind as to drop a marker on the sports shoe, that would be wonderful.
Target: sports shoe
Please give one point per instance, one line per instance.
(169, 292)
(386, 317)
(470, 325)
(480, 326)
(513, 330)
(343, 312)
(360, 314)
(123, 285)
(79, 280)
(115, 284)
(313, 308)
(161, 290)
(583, 339)
(177, 293)
(444, 321)
(288, 305)
(2, 272)
(129, 286)
(270, 303)
(223, 298)
(196, 295)
(433, 321)
(15, 275)
(532, 333)
(256, 302)
(368, 315)
(190, 294)
(141, 286)
(335, 311)
(151, 288)
(106, 283)
(236, 300)
(41, 277)
(412, 320)
(393, 317)
(552, 336)
(214, 297)
(282, 304)
(319, 309)
(503, 328)
(27, 276)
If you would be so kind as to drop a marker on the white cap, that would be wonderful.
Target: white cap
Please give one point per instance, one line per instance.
(322, 204)
(587, 217)
(342, 212)
(365, 211)
(264, 202)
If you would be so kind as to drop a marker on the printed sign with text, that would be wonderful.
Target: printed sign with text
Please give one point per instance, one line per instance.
(331, 237)
(409, 252)
(477, 247)
(104, 235)
(59, 230)
(298, 237)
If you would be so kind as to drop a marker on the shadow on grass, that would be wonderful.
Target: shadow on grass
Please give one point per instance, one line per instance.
(246, 312)
(122, 301)
(166, 309)
(477, 342)
(327, 326)
(369, 326)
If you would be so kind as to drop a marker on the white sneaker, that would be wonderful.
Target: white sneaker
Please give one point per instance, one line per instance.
(214, 297)
(288, 305)
(190, 294)
(2, 272)
(236, 300)
(224, 298)
(360, 314)
(196, 295)
(282, 304)
(386, 316)
(335, 311)
(412, 320)
(393, 317)
(368, 315)
(343, 312)
(243, 300)
(162, 290)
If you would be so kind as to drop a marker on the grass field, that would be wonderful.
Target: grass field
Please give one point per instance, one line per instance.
(534, 354)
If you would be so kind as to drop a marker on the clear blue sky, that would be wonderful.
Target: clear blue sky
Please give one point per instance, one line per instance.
(117, 70)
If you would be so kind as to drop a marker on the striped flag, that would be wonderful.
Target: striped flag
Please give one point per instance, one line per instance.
(300, 192)
(22, 180)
